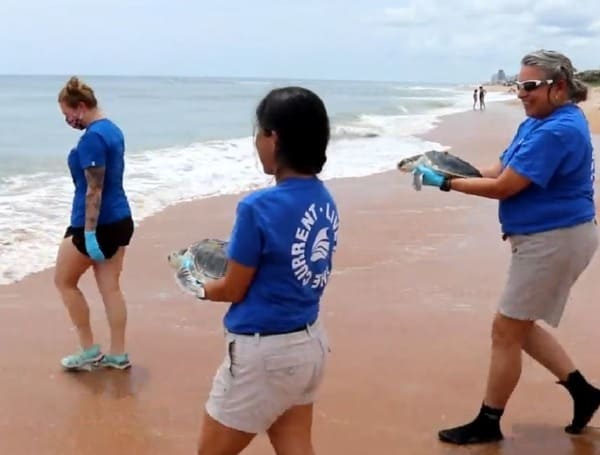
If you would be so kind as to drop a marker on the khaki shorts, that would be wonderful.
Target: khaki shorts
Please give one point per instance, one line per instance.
(262, 377)
(543, 268)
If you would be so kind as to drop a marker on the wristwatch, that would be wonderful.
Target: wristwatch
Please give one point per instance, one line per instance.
(445, 186)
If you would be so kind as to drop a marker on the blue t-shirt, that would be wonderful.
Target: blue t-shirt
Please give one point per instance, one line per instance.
(556, 154)
(289, 233)
(101, 145)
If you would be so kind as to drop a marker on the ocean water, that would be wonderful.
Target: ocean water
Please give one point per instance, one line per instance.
(187, 138)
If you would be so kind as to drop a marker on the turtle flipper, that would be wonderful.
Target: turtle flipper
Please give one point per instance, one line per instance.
(417, 181)
(187, 282)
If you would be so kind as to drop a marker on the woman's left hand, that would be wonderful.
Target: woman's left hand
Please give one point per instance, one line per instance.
(430, 177)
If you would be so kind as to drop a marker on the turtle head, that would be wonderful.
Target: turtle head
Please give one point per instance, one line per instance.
(408, 164)
(176, 258)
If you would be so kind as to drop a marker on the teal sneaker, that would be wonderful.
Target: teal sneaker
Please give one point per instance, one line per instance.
(83, 360)
(120, 361)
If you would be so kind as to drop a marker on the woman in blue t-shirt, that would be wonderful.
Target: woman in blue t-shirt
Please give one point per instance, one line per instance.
(544, 181)
(279, 262)
(100, 227)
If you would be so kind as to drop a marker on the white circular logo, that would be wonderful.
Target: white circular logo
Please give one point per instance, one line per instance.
(311, 265)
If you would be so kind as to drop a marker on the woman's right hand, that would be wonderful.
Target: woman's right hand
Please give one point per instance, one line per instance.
(92, 247)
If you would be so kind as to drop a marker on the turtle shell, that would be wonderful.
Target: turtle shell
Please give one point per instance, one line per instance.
(443, 162)
(205, 259)
(209, 257)
(451, 165)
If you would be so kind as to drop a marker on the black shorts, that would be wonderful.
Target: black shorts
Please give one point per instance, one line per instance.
(110, 236)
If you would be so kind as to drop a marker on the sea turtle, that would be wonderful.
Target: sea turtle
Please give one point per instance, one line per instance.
(201, 261)
(443, 162)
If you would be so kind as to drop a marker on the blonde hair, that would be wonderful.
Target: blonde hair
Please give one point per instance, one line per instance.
(75, 92)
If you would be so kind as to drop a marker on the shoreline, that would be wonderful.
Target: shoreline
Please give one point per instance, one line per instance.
(591, 108)
(21, 246)
(415, 282)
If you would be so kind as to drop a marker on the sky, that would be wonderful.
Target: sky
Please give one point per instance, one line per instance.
(412, 40)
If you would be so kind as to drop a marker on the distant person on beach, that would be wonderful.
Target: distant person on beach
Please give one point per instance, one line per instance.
(481, 98)
(279, 263)
(100, 227)
(544, 181)
(474, 99)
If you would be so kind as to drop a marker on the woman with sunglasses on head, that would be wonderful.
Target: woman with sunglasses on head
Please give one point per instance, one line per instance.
(279, 262)
(100, 229)
(544, 182)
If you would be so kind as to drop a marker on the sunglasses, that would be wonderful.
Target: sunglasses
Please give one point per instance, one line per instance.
(531, 85)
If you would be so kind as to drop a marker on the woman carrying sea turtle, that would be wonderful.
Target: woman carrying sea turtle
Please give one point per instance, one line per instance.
(279, 262)
(544, 181)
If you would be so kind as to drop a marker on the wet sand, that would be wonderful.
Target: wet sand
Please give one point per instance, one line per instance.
(408, 311)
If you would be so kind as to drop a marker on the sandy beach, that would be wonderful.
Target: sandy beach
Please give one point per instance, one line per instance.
(408, 311)
(592, 109)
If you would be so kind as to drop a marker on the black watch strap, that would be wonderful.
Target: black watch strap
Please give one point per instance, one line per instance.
(445, 186)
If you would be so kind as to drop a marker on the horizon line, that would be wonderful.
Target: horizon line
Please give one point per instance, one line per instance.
(261, 78)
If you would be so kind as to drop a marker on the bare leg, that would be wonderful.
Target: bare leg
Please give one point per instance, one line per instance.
(107, 277)
(70, 266)
(217, 439)
(545, 349)
(291, 432)
(508, 337)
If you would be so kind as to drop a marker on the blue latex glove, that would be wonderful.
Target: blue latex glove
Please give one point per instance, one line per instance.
(430, 177)
(92, 247)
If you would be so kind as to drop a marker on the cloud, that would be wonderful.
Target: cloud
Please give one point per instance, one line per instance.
(568, 19)
(417, 40)
(409, 16)
(498, 32)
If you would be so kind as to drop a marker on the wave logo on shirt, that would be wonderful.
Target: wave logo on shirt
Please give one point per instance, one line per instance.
(311, 254)
(321, 245)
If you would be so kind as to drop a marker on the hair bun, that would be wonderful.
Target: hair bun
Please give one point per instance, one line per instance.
(74, 83)
(75, 91)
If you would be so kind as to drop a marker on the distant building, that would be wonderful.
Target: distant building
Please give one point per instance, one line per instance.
(501, 78)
